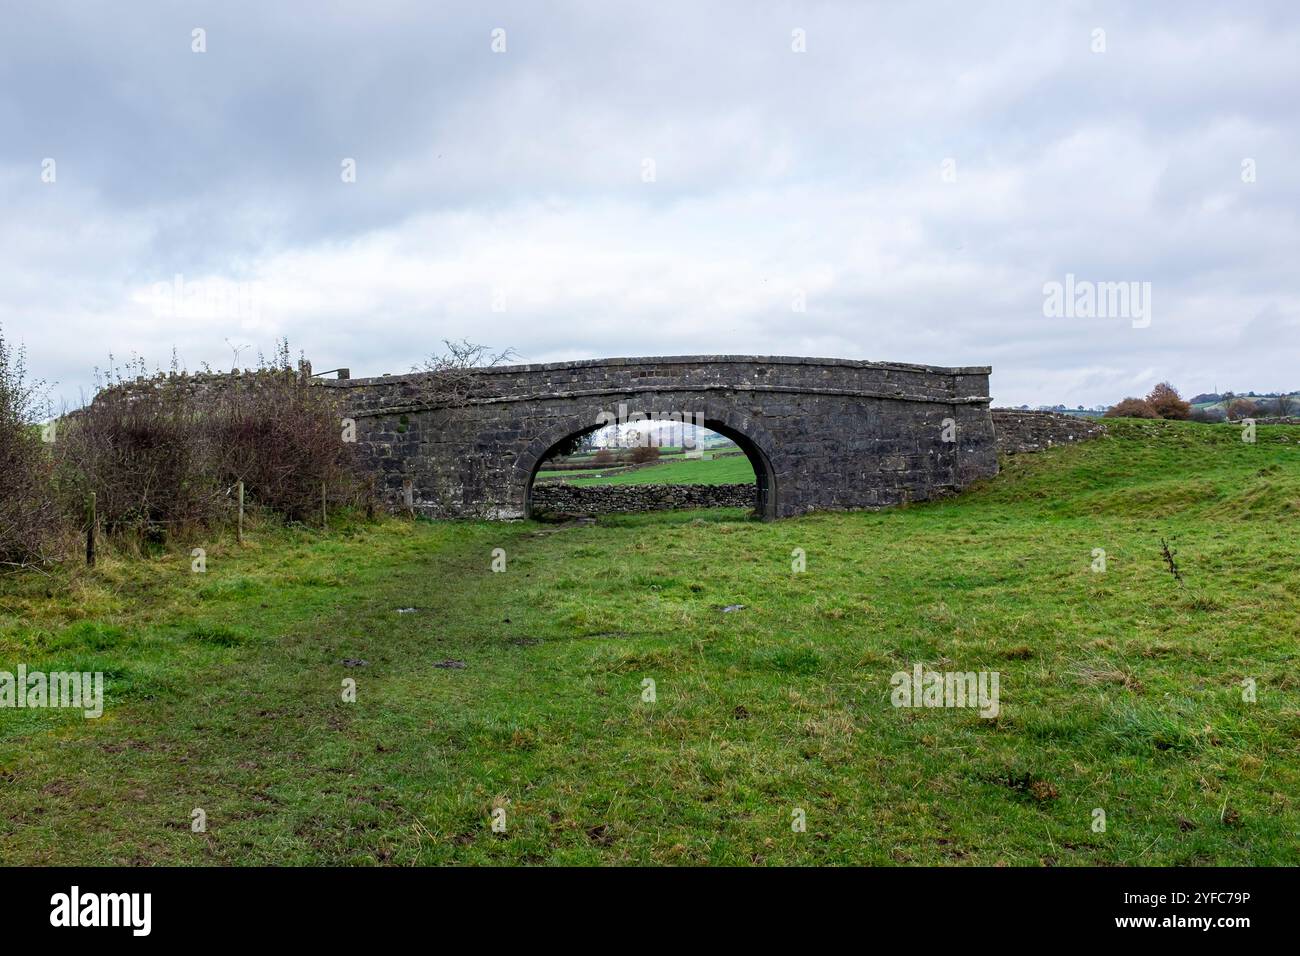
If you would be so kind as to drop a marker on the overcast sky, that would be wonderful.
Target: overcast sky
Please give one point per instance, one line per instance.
(651, 179)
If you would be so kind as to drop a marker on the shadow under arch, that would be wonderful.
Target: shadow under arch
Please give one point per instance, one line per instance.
(749, 437)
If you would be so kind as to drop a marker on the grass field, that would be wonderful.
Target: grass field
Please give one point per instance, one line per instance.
(697, 471)
(571, 474)
(1120, 690)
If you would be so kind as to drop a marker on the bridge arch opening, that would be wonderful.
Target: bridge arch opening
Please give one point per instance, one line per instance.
(577, 452)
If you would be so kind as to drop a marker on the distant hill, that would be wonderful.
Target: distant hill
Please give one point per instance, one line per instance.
(1211, 398)
(1078, 410)
(1265, 400)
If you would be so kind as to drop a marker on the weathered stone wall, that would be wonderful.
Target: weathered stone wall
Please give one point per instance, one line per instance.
(565, 499)
(1022, 431)
(821, 433)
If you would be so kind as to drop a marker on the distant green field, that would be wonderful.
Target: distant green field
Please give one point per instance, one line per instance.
(576, 472)
(600, 694)
(733, 469)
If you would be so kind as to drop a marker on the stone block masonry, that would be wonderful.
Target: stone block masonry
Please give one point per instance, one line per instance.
(822, 434)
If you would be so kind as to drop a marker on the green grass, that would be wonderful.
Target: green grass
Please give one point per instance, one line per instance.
(1119, 690)
(734, 469)
(570, 473)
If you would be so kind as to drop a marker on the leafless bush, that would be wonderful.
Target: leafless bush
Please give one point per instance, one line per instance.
(1240, 408)
(163, 452)
(451, 378)
(282, 436)
(27, 515)
(142, 452)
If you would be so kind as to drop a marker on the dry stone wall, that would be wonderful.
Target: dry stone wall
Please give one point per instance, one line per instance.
(1019, 431)
(564, 499)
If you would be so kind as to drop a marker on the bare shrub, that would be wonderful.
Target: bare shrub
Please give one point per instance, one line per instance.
(141, 451)
(1210, 415)
(282, 436)
(163, 452)
(27, 514)
(451, 379)
(1131, 408)
(642, 454)
(1240, 408)
(1279, 405)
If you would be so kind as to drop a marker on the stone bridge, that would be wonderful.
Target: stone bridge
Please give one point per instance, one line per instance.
(822, 434)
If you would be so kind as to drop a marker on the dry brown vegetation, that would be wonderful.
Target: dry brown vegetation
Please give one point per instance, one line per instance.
(27, 515)
(164, 453)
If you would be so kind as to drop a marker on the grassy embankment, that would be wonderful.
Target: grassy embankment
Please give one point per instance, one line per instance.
(1119, 690)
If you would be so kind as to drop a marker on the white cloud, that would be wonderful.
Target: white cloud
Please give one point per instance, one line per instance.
(519, 175)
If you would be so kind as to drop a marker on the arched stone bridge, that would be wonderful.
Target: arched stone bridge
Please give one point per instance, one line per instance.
(820, 433)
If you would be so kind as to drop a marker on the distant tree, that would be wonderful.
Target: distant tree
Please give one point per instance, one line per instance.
(602, 457)
(1286, 403)
(644, 453)
(1267, 406)
(1208, 415)
(1240, 408)
(1167, 403)
(1131, 408)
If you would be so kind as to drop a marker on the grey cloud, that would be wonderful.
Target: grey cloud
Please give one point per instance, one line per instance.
(775, 171)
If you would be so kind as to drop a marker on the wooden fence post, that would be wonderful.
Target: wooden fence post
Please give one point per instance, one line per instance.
(90, 531)
(241, 512)
(324, 513)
